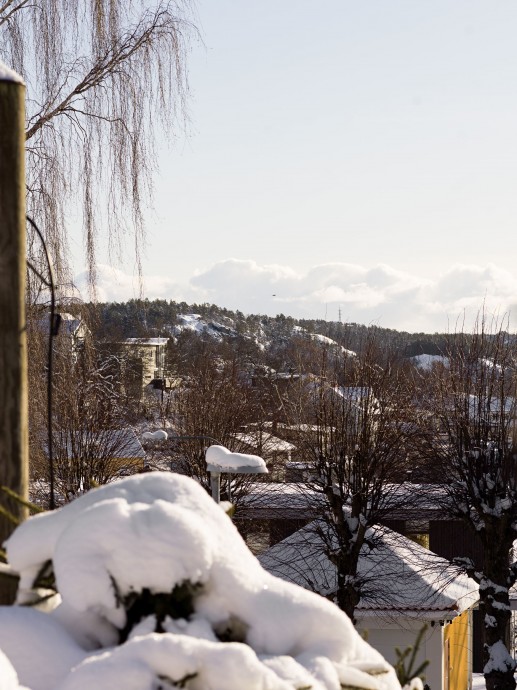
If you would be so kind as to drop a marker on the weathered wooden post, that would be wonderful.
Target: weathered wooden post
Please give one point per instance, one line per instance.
(13, 348)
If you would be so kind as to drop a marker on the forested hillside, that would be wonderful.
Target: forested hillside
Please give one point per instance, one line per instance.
(144, 318)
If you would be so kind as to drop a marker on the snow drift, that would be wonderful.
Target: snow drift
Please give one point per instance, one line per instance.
(158, 590)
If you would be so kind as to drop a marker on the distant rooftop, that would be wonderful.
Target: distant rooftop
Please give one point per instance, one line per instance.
(266, 441)
(146, 342)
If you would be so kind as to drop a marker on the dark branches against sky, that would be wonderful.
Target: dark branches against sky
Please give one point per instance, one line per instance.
(104, 78)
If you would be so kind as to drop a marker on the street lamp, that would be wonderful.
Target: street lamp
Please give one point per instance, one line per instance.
(220, 460)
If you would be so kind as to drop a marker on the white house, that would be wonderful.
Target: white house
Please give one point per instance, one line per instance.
(404, 587)
(144, 359)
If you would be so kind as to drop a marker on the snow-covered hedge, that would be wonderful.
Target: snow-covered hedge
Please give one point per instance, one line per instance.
(158, 590)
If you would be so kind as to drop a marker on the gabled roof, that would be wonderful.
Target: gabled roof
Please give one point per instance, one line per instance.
(267, 442)
(280, 500)
(400, 577)
(70, 325)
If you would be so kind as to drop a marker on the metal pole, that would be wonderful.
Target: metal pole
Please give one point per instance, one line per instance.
(215, 485)
(13, 347)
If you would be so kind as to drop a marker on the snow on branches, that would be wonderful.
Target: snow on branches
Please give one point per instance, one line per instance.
(157, 589)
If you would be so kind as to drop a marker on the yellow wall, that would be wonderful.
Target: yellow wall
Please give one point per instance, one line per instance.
(457, 659)
(117, 464)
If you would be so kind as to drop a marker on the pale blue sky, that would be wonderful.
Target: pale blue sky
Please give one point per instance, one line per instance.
(361, 133)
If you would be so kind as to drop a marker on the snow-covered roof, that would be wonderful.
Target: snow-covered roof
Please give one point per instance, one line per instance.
(405, 501)
(411, 500)
(427, 362)
(492, 404)
(285, 376)
(280, 500)
(401, 577)
(146, 342)
(307, 428)
(355, 394)
(70, 324)
(73, 325)
(268, 443)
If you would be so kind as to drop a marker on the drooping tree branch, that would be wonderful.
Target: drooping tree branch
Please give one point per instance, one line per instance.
(103, 78)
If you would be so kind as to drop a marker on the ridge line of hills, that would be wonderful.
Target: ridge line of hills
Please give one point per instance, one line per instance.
(152, 318)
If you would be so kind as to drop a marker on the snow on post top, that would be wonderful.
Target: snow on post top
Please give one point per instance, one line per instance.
(8, 74)
(220, 458)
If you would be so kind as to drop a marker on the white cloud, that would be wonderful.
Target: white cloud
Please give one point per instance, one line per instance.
(380, 294)
(114, 285)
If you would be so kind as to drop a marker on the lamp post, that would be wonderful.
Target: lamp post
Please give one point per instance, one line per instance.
(219, 460)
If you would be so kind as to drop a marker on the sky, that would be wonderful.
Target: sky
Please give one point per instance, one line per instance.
(343, 159)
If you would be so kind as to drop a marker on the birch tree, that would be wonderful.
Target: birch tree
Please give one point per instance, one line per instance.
(103, 77)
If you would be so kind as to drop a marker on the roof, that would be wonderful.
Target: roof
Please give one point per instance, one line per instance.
(492, 404)
(145, 342)
(405, 501)
(400, 577)
(280, 500)
(410, 500)
(265, 441)
(358, 396)
(115, 443)
(69, 324)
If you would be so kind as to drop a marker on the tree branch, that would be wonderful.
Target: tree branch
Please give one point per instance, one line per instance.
(109, 64)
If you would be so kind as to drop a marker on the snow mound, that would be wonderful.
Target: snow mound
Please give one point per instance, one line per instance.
(324, 340)
(156, 560)
(221, 457)
(40, 650)
(8, 676)
(174, 658)
(196, 324)
(160, 435)
(8, 74)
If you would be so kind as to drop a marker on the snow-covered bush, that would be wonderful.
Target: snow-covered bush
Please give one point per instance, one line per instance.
(158, 590)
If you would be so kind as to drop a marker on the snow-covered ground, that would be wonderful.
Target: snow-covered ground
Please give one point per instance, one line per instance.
(196, 324)
(427, 362)
(158, 590)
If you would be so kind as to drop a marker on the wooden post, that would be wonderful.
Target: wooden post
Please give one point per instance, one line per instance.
(13, 348)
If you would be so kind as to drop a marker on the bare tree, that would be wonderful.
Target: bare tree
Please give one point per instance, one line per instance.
(91, 440)
(471, 439)
(100, 75)
(211, 406)
(353, 440)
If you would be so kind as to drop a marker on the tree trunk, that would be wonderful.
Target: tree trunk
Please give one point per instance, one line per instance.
(348, 592)
(348, 596)
(499, 666)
